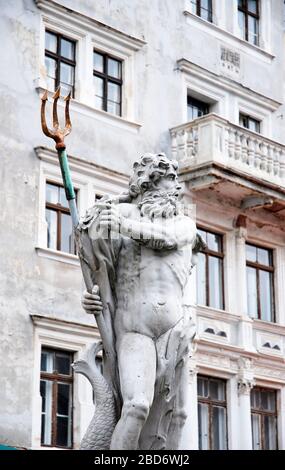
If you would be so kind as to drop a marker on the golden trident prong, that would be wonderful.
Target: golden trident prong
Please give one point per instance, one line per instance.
(56, 133)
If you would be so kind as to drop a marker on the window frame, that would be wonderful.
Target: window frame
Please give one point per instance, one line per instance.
(247, 117)
(244, 9)
(260, 412)
(55, 377)
(199, 8)
(59, 209)
(216, 254)
(59, 58)
(211, 403)
(261, 267)
(197, 103)
(108, 78)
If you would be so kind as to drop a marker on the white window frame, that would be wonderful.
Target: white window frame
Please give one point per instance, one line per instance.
(89, 34)
(68, 336)
(88, 178)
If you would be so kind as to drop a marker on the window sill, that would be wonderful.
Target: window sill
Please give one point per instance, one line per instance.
(243, 45)
(60, 256)
(217, 313)
(90, 111)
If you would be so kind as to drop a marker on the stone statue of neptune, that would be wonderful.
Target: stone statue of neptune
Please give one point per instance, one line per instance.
(143, 247)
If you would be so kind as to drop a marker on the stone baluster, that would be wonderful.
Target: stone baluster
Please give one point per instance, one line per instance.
(244, 149)
(264, 153)
(270, 160)
(190, 144)
(251, 152)
(181, 147)
(196, 140)
(257, 155)
(231, 142)
(237, 146)
(282, 165)
(276, 162)
(174, 145)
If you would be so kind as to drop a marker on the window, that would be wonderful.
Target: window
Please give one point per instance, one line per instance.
(202, 8)
(196, 108)
(248, 19)
(249, 123)
(263, 419)
(212, 414)
(210, 271)
(59, 62)
(107, 73)
(260, 291)
(56, 392)
(59, 225)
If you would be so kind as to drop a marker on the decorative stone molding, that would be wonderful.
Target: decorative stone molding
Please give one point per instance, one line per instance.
(245, 381)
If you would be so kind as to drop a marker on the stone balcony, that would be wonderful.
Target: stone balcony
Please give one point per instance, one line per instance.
(211, 149)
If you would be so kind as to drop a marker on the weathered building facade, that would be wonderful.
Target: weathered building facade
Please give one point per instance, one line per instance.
(203, 82)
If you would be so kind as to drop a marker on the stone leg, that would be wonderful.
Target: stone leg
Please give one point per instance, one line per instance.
(137, 367)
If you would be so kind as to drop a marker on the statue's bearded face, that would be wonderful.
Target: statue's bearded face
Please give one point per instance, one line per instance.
(155, 181)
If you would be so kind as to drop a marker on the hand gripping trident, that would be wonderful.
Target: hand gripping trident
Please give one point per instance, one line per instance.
(58, 135)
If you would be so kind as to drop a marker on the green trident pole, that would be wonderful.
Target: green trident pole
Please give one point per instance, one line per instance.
(58, 135)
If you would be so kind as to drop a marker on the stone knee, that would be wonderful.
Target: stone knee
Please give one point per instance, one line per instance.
(136, 408)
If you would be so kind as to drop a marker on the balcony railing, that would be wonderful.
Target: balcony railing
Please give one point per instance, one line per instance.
(213, 139)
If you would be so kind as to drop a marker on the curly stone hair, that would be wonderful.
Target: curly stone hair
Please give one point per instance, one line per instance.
(148, 170)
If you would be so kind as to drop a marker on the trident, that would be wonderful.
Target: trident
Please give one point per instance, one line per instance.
(58, 135)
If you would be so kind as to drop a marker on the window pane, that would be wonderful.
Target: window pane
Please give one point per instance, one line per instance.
(241, 24)
(52, 193)
(99, 86)
(194, 6)
(252, 6)
(219, 430)
(67, 240)
(66, 74)
(47, 361)
(50, 67)
(252, 30)
(255, 398)
(206, 10)
(98, 62)
(251, 292)
(62, 431)
(201, 279)
(253, 125)
(114, 68)
(51, 42)
(215, 282)
(268, 400)
(51, 219)
(98, 102)
(217, 390)
(256, 431)
(251, 253)
(63, 398)
(62, 197)
(46, 395)
(203, 424)
(67, 49)
(270, 433)
(65, 89)
(203, 387)
(114, 108)
(62, 363)
(214, 241)
(114, 92)
(266, 295)
(264, 256)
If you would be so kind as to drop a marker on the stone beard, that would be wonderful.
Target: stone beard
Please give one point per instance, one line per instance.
(159, 204)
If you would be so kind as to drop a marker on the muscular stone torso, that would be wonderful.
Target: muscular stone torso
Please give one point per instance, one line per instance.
(149, 288)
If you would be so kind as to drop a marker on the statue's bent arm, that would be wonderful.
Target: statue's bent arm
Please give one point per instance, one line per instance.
(174, 233)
